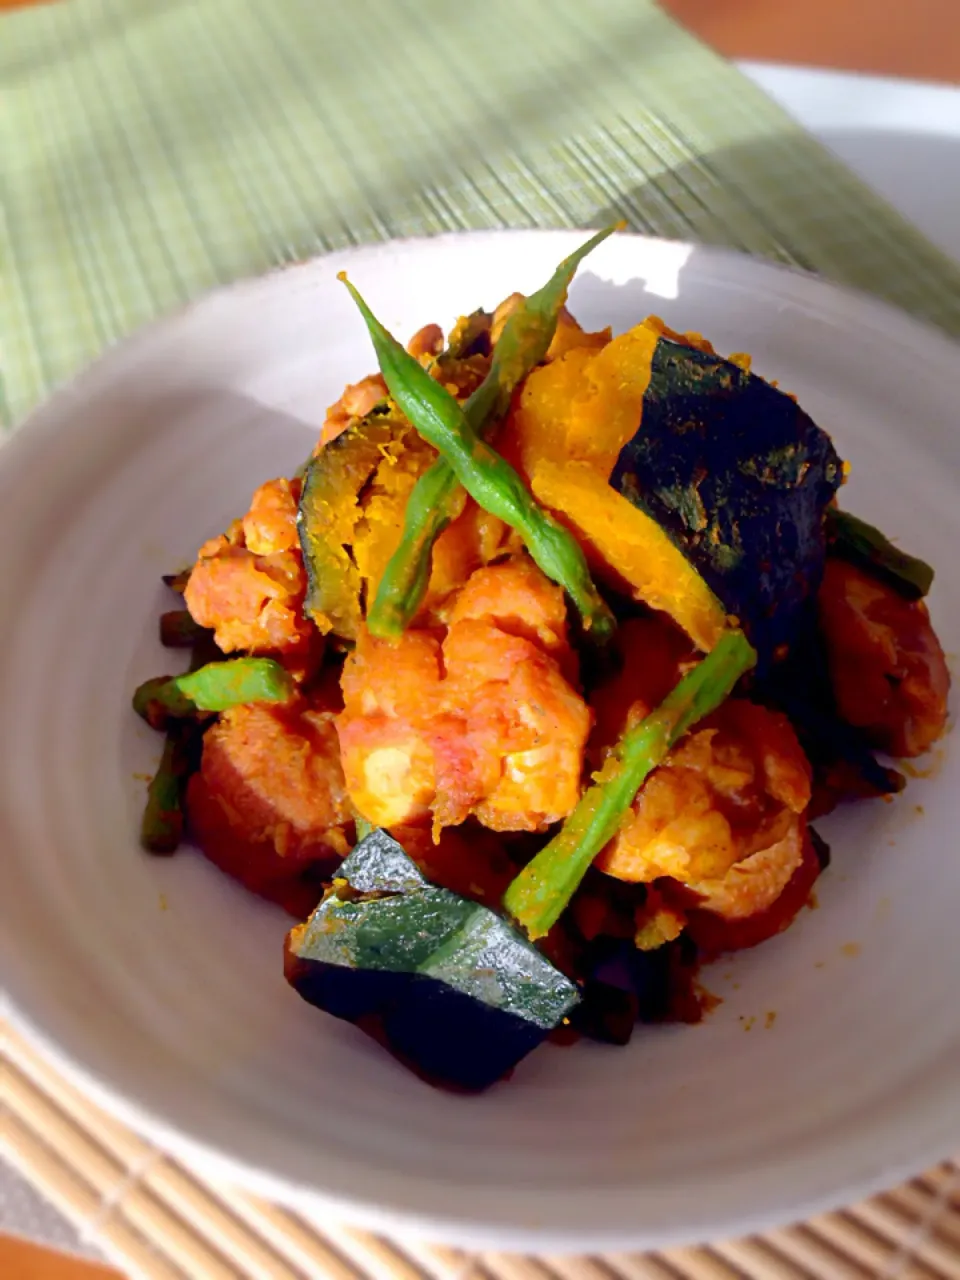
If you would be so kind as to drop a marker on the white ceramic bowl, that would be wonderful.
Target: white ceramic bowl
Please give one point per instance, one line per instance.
(158, 983)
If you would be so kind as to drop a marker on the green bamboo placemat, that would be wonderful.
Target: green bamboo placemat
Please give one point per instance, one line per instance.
(151, 149)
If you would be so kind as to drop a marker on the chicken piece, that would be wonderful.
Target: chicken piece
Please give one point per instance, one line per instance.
(526, 727)
(887, 668)
(248, 584)
(426, 343)
(482, 722)
(395, 682)
(268, 805)
(518, 600)
(753, 885)
(270, 526)
(729, 790)
(389, 693)
(356, 402)
(756, 900)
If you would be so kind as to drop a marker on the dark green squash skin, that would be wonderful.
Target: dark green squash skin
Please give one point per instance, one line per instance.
(739, 477)
(338, 474)
(452, 988)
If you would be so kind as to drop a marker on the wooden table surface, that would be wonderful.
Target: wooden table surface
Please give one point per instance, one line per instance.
(883, 37)
(919, 40)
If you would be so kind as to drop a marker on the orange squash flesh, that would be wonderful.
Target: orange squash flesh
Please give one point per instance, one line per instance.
(573, 418)
(586, 405)
(628, 547)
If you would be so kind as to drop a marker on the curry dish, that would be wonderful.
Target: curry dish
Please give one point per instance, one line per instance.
(522, 695)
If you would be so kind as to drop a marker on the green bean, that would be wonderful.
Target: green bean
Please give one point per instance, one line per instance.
(214, 687)
(178, 629)
(489, 479)
(862, 544)
(526, 337)
(158, 701)
(540, 893)
(221, 685)
(363, 826)
(161, 828)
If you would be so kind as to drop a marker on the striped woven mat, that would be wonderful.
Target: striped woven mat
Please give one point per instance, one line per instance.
(152, 149)
(160, 1221)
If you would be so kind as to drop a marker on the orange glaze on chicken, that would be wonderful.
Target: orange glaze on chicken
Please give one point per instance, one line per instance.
(248, 584)
(888, 671)
(355, 403)
(732, 790)
(269, 803)
(480, 721)
(724, 816)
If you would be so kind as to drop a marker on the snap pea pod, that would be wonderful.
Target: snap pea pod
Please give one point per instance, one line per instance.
(486, 476)
(433, 503)
(538, 896)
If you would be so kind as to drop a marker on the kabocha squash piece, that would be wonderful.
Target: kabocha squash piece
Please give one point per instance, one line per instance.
(327, 518)
(740, 478)
(454, 990)
(585, 406)
(351, 510)
(573, 420)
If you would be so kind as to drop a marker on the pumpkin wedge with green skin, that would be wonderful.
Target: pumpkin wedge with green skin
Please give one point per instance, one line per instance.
(331, 512)
(574, 417)
(452, 987)
(692, 484)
